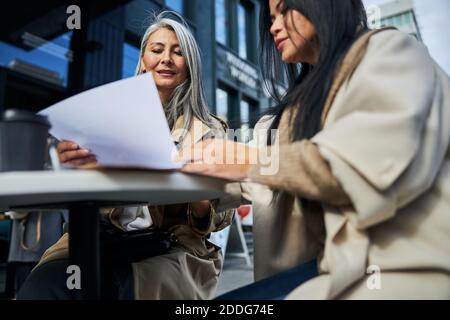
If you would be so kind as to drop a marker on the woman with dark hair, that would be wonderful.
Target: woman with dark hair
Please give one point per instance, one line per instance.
(362, 183)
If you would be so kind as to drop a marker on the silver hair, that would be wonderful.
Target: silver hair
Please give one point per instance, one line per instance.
(188, 99)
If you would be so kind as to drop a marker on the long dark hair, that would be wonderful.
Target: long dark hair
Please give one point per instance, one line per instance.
(338, 24)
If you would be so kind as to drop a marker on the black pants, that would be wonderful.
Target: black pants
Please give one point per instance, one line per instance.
(48, 282)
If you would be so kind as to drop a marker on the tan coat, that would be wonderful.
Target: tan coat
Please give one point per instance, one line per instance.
(191, 269)
(381, 169)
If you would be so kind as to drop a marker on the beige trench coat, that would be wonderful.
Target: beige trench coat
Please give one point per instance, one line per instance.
(191, 269)
(381, 169)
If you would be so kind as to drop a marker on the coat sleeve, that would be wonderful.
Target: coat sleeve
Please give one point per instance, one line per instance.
(376, 133)
(303, 171)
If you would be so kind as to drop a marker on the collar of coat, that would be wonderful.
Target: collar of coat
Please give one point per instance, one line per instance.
(196, 132)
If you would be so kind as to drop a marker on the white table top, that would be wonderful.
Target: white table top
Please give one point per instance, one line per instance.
(49, 189)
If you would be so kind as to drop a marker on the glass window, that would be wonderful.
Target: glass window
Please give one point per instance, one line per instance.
(242, 30)
(39, 58)
(245, 121)
(409, 18)
(221, 22)
(245, 112)
(130, 60)
(403, 19)
(176, 5)
(222, 104)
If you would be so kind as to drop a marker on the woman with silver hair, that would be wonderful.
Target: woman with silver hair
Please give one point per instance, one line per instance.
(190, 269)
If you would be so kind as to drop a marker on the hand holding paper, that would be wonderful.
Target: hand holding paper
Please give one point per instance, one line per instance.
(122, 123)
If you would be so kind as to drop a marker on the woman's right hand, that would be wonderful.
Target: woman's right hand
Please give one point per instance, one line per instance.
(70, 152)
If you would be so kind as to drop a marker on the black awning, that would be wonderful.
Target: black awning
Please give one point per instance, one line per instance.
(45, 19)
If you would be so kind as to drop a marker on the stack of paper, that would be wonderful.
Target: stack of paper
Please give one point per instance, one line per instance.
(122, 123)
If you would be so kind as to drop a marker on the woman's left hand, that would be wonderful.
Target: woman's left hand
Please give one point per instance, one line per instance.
(219, 158)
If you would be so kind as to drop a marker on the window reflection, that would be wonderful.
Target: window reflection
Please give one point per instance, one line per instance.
(245, 121)
(221, 22)
(242, 30)
(44, 60)
(130, 60)
(222, 104)
(176, 5)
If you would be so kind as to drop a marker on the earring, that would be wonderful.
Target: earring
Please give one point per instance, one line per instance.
(144, 71)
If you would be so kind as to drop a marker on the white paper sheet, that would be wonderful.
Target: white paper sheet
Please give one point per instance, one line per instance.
(122, 123)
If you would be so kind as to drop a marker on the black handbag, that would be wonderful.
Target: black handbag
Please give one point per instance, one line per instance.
(123, 247)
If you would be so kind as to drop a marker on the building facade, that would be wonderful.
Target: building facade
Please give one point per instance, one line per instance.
(400, 14)
(43, 62)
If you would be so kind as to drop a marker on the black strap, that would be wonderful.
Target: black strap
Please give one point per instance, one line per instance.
(119, 247)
